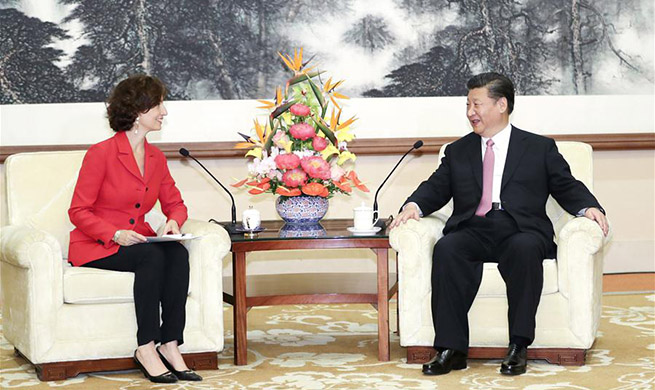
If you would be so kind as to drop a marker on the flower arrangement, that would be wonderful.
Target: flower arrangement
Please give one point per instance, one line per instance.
(300, 150)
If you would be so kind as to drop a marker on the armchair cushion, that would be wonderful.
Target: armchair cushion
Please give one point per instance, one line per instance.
(94, 286)
(492, 284)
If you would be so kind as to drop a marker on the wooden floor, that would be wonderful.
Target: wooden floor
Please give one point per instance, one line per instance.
(629, 282)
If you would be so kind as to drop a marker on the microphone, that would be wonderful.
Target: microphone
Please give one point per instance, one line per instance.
(380, 222)
(232, 226)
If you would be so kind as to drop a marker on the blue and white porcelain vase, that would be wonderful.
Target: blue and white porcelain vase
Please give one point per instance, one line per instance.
(302, 209)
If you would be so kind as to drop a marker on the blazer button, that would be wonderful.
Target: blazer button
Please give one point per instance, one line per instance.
(146, 189)
(137, 205)
(131, 220)
(101, 242)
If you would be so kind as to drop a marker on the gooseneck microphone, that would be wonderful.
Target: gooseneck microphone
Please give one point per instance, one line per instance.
(380, 222)
(230, 227)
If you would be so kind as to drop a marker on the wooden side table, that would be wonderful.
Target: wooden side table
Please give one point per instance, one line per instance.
(332, 234)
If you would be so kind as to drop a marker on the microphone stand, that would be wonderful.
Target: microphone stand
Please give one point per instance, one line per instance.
(232, 226)
(382, 223)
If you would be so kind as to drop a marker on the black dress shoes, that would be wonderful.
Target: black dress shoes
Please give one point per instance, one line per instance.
(516, 360)
(166, 377)
(445, 361)
(186, 375)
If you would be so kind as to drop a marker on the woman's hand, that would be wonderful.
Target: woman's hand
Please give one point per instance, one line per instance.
(171, 227)
(129, 237)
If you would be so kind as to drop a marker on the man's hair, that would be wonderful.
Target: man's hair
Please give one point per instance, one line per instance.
(136, 94)
(497, 84)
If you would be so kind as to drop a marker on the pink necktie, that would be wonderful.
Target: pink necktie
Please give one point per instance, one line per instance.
(487, 180)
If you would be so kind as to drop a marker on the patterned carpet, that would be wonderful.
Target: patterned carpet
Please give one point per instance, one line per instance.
(335, 347)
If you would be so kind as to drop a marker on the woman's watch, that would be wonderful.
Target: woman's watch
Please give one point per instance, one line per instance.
(116, 235)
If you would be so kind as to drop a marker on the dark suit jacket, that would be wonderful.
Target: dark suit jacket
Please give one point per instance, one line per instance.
(111, 194)
(533, 170)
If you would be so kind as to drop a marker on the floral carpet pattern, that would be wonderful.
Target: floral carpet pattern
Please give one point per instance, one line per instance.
(329, 347)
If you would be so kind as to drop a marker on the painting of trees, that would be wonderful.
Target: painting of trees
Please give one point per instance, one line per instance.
(28, 73)
(545, 46)
(227, 49)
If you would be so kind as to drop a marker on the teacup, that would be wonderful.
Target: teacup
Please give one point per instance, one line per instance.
(363, 218)
(251, 219)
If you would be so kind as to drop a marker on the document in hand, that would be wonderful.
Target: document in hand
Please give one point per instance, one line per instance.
(171, 237)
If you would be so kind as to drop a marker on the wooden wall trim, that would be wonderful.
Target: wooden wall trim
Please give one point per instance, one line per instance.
(367, 146)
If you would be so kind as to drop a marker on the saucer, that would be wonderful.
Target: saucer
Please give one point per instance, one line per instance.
(374, 230)
(241, 229)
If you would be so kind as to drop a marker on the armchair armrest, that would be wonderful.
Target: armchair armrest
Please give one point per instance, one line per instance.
(580, 272)
(206, 275)
(32, 287)
(414, 241)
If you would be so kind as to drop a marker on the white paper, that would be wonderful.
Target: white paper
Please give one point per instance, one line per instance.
(171, 237)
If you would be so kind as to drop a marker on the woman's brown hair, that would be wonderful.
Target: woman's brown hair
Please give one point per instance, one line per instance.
(134, 95)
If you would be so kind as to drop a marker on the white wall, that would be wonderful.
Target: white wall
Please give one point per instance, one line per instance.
(220, 120)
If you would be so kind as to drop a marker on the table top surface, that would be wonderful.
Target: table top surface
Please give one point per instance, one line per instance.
(326, 229)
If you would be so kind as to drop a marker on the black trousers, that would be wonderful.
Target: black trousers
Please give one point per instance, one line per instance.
(457, 266)
(161, 275)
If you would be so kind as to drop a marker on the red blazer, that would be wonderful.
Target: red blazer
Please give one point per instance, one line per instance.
(111, 194)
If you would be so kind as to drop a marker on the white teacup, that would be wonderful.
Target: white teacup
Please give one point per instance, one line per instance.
(251, 219)
(363, 218)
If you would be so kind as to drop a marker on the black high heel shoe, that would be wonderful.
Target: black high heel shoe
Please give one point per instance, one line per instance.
(166, 377)
(186, 375)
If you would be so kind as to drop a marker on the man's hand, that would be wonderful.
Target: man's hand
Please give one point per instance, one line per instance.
(171, 227)
(409, 212)
(596, 215)
(130, 237)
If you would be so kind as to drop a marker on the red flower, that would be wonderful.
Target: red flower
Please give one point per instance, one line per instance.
(343, 185)
(239, 183)
(302, 131)
(294, 178)
(255, 191)
(353, 177)
(287, 161)
(300, 109)
(316, 167)
(287, 192)
(319, 143)
(315, 189)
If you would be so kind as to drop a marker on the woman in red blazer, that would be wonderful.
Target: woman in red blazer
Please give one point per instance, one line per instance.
(120, 180)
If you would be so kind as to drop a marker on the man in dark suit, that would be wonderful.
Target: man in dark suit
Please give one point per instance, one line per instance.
(499, 178)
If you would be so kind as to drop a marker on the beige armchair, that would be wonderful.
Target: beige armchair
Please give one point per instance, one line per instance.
(67, 320)
(569, 312)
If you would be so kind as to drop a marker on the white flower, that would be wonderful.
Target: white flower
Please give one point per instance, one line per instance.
(336, 172)
(304, 153)
(262, 167)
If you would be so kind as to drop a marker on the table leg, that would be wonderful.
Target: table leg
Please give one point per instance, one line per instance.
(239, 309)
(383, 304)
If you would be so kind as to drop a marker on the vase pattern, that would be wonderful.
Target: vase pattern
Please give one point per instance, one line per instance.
(301, 209)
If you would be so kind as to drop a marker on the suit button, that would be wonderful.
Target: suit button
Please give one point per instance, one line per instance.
(146, 189)
(101, 242)
(137, 205)
(131, 220)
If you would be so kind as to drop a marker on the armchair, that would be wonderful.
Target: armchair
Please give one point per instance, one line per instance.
(66, 320)
(569, 312)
